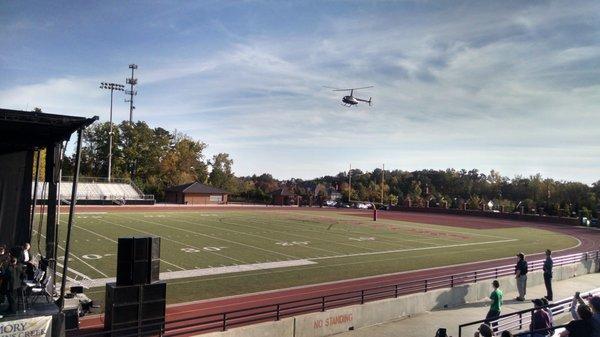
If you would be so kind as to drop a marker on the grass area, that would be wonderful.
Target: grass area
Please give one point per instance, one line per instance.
(338, 245)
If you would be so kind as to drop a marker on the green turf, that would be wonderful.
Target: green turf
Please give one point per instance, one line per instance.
(344, 246)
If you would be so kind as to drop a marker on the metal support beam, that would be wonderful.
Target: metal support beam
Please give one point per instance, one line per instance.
(71, 214)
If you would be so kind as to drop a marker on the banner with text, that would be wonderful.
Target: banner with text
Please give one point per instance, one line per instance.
(30, 327)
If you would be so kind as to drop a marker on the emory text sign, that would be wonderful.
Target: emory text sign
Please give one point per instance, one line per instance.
(30, 327)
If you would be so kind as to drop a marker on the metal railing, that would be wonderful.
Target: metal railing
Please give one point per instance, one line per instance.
(221, 321)
(521, 320)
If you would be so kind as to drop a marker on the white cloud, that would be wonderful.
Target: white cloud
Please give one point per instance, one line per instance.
(485, 86)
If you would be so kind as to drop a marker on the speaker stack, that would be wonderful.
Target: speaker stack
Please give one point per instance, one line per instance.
(136, 302)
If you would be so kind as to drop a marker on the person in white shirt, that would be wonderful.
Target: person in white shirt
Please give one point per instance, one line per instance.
(26, 255)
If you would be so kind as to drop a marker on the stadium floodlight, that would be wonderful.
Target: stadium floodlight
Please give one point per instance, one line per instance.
(132, 81)
(112, 87)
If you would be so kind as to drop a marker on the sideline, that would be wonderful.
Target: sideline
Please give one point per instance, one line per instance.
(209, 271)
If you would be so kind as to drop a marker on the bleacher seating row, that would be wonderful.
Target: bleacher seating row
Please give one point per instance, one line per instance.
(96, 191)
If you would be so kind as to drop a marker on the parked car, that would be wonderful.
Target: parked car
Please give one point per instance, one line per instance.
(585, 221)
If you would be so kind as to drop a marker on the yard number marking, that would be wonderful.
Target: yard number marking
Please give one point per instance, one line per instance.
(207, 249)
(213, 249)
(94, 256)
(292, 243)
(363, 238)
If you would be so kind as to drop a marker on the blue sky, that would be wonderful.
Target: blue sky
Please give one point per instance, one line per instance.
(510, 86)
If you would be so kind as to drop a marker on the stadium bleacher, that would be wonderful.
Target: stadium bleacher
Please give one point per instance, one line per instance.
(98, 191)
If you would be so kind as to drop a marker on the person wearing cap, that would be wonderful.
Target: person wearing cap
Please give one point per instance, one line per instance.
(539, 319)
(521, 276)
(548, 265)
(548, 311)
(496, 297)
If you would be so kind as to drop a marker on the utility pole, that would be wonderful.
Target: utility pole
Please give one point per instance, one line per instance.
(349, 183)
(112, 87)
(132, 82)
(382, 173)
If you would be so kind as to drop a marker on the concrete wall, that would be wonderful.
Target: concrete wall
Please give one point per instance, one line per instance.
(488, 214)
(338, 320)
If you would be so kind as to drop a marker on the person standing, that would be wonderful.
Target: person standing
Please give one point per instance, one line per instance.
(521, 276)
(548, 265)
(496, 297)
(14, 278)
(539, 319)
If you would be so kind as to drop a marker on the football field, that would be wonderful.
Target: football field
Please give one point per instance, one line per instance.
(213, 253)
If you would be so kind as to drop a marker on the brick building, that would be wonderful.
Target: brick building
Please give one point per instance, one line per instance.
(195, 194)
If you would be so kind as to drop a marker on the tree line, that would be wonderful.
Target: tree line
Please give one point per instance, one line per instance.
(154, 159)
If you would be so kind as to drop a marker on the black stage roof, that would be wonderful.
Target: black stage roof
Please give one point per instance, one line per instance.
(26, 130)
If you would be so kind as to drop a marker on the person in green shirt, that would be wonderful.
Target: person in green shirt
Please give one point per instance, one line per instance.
(496, 297)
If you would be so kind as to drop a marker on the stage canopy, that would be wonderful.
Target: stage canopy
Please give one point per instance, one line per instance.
(22, 133)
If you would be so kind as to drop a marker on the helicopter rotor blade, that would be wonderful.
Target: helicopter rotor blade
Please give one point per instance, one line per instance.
(336, 89)
(340, 89)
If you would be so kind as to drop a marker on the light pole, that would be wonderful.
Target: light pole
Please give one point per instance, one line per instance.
(132, 82)
(112, 87)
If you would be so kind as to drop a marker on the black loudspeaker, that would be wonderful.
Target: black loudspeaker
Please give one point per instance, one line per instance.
(125, 249)
(138, 260)
(122, 309)
(154, 292)
(77, 290)
(141, 249)
(71, 318)
(153, 307)
(116, 294)
(154, 271)
(140, 309)
(155, 248)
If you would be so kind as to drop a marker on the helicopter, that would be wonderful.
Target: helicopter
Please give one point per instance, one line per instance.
(351, 100)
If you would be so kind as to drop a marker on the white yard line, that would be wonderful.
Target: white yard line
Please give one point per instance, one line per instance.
(254, 235)
(385, 241)
(321, 232)
(167, 239)
(403, 224)
(220, 239)
(77, 257)
(209, 271)
(114, 241)
(317, 266)
(414, 249)
(353, 221)
(74, 272)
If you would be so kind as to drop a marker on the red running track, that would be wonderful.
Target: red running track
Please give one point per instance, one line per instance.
(590, 240)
